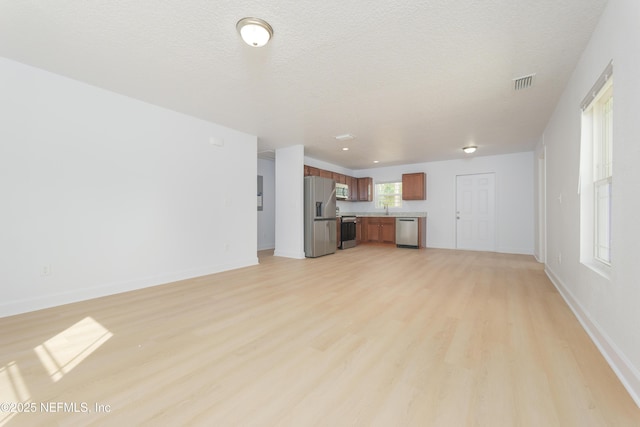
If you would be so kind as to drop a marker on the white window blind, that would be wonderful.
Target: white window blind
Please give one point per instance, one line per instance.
(389, 195)
(596, 166)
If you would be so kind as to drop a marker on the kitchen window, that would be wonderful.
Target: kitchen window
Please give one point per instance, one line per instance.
(596, 174)
(388, 195)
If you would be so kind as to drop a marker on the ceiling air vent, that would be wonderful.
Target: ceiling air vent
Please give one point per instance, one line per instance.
(523, 82)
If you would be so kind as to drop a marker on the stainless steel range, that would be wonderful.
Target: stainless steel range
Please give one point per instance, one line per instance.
(347, 232)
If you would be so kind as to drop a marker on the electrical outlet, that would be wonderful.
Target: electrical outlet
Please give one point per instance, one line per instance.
(217, 141)
(45, 270)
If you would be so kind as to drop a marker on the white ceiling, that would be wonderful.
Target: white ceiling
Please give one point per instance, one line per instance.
(414, 81)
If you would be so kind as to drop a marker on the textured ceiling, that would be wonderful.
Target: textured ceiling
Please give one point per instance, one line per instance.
(414, 81)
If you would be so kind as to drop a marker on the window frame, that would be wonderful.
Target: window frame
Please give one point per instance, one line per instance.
(596, 176)
(397, 195)
(602, 140)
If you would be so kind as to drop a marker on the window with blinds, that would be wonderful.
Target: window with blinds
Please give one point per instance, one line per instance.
(388, 195)
(597, 169)
(603, 176)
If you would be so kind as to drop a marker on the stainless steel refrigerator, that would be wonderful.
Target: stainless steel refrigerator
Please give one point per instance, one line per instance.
(319, 216)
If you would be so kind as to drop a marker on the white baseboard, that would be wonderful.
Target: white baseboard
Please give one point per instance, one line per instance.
(53, 300)
(515, 251)
(286, 254)
(626, 372)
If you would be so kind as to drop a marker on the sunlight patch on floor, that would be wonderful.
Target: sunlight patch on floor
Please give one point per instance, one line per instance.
(13, 390)
(63, 352)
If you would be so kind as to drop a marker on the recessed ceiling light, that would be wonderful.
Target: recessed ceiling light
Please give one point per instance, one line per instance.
(345, 137)
(345, 148)
(254, 31)
(470, 149)
(376, 161)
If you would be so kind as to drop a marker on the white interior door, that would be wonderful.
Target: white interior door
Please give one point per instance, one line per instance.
(475, 212)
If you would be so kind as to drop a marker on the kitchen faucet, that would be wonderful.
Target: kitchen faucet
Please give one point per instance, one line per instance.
(386, 208)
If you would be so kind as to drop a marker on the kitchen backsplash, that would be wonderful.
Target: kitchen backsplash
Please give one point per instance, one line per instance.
(407, 206)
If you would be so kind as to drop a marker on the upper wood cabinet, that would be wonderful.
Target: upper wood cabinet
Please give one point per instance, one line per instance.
(414, 186)
(311, 171)
(326, 174)
(365, 189)
(353, 188)
(360, 189)
(339, 178)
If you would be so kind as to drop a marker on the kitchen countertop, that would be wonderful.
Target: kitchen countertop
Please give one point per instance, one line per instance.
(382, 214)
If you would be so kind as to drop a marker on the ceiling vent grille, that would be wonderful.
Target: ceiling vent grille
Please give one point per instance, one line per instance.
(523, 82)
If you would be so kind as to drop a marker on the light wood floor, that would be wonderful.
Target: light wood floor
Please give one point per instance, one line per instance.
(370, 336)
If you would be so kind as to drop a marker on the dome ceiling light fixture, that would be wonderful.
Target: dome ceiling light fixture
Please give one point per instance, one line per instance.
(470, 149)
(254, 31)
(344, 137)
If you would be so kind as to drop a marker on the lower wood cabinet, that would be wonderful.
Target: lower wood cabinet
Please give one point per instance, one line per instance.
(379, 229)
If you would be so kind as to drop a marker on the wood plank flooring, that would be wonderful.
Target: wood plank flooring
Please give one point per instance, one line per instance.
(370, 336)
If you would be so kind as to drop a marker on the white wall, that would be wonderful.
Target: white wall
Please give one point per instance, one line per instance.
(290, 202)
(267, 216)
(113, 194)
(514, 198)
(607, 308)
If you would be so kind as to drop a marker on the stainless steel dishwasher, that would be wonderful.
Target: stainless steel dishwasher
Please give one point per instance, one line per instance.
(407, 232)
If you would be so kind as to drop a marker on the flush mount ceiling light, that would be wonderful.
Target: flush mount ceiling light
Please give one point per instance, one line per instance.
(254, 31)
(470, 149)
(345, 137)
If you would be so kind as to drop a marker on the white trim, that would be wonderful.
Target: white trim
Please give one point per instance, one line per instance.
(287, 254)
(53, 300)
(628, 375)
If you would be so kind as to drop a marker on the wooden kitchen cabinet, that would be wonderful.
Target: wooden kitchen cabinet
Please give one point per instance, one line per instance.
(311, 171)
(422, 232)
(388, 230)
(414, 186)
(326, 174)
(339, 178)
(372, 228)
(353, 183)
(365, 189)
(359, 227)
(353, 188)
(380, 230)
